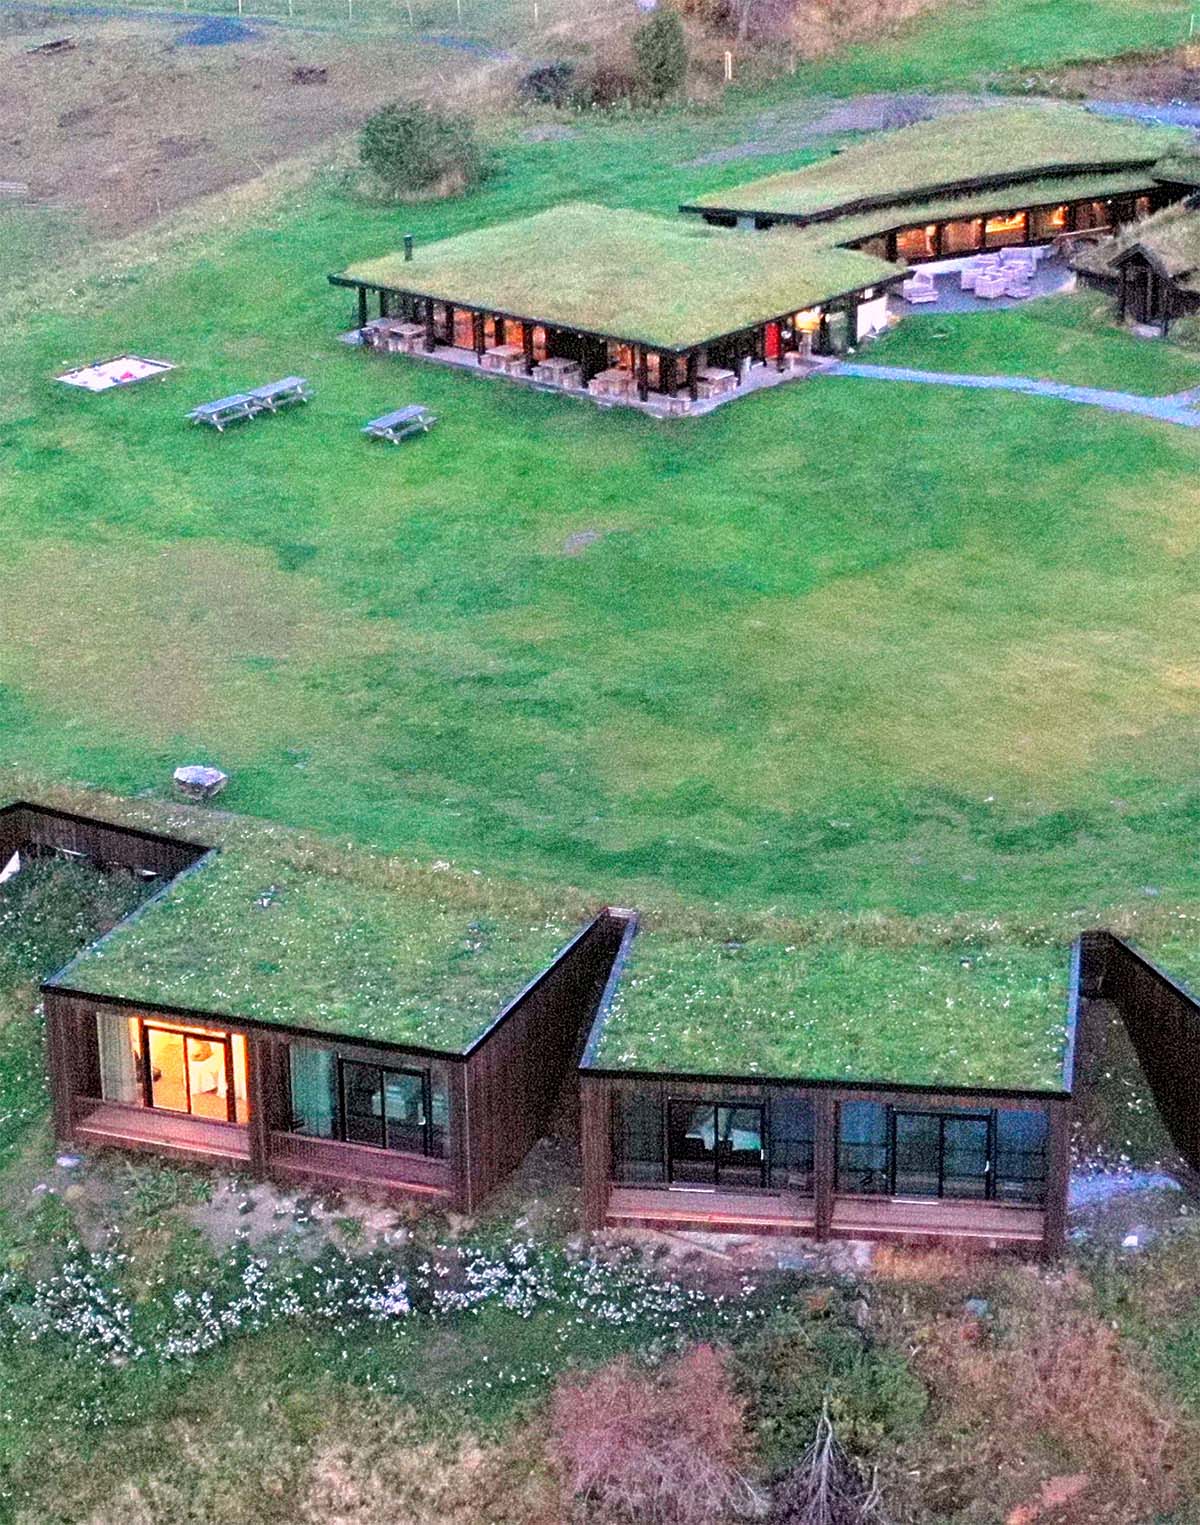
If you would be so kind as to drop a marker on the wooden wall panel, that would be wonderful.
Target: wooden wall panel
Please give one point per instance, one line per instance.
(35, 829)
(514, 1075)
(1163, 1022)
(595, 1143)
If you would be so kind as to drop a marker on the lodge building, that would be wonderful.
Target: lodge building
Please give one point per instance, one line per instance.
(765, 280)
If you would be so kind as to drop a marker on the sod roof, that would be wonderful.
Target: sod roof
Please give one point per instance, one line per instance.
(1013, 141)
(665, 281)
(960, 1013)
(429, 962)
(1171, 237)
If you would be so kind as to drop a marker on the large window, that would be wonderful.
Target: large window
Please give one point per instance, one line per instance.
(962, 237)
(1049, 222)
(1005, 228)
(790, 1138)
(637, 1135)
(175, 1067)
(917, 243)
(994, 1155)
(362, 1102)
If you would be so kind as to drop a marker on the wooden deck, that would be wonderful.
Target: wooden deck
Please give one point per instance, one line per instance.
(915, 1221)
(352, 1165)
(113, 1126)
(703, 1211)
(896, 1218)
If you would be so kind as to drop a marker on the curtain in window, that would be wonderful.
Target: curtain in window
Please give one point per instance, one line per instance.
(314, 1090)
(119, 1080)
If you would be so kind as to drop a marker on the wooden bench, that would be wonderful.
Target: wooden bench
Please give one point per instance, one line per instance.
(401, 425)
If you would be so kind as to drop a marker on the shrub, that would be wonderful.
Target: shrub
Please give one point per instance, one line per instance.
(665, 1451)
(605, 85)
(417, 150)
(550, 84)
(661, 55)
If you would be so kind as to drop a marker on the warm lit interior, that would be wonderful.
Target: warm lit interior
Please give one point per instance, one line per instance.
(173, 1066)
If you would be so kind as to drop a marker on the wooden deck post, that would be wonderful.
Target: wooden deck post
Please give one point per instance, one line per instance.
(596, 1150)
(430, 336)
(824, 1161)
(477, 334)
(1058, 1175)
(459, 1138)
(693, 366)
(527, 337)
(643, 373)
(667, 379)
(259, 1060)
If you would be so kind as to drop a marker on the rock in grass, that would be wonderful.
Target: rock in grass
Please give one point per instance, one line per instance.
(199, 782)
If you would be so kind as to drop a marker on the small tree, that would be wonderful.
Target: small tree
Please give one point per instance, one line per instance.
(661, 54)
(826, 1488)
(417, 150)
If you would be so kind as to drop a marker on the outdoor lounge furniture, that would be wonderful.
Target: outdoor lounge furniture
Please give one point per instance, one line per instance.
(401, 425)
(991, 285)
(265, 399)
(920, 287)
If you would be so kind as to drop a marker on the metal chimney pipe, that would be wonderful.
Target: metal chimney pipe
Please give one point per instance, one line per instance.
(408, 246)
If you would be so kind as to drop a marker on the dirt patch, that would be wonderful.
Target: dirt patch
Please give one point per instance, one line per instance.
(145, 116)
(1166, 79)
(789, 129)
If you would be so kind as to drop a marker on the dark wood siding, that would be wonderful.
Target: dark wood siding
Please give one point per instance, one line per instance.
(1163, 1022)
(34, 828)
(514, 1074)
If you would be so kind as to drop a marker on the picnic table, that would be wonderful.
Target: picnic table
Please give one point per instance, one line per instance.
(503, 357)
(224, 411)
(558, 370)
(614, 382)
(713, 381)
(265, 399)
(401, 424)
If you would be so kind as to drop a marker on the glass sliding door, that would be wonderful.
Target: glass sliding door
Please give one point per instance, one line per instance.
(195, 1071)
(384, 1108)
(941, 1154)
(712, 1144)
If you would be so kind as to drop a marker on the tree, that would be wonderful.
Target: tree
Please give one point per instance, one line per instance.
(661, 54)
(416, 150)
(826, 1488)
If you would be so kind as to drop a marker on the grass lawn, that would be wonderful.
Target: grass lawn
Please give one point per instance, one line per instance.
(795, 663)
(1066, 338)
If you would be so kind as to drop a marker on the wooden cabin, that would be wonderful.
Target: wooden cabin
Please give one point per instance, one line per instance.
(620, 306)
(382, 1058)
(1151, 268)
(715, 1096)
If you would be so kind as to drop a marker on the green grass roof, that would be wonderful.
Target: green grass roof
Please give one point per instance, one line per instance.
(968, 1012)
(1172, 236)
(423, 958)
(664, 280)
(1023, 140)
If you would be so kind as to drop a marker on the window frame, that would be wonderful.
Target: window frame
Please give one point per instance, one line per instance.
(382, 1070)
(716, 1105)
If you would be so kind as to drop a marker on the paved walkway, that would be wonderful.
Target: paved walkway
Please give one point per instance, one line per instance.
(1178, 408)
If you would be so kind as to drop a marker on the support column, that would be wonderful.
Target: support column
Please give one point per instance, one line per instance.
(1058, 1175)
(460, 1143)
(383, 303)
(477, 334)
(362, 307)
(430, 336)
(527, 334)
(499, 321)
(824, 1160)
(693, 366)
(259, 1060)
(643, 373)
(666, 375)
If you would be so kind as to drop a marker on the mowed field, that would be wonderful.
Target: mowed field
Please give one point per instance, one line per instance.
(842, 645)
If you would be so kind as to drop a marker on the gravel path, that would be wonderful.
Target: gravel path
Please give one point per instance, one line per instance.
(1173, 409)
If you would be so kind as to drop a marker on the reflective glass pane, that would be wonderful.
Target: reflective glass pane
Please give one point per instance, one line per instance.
(1021, 1155)
(791, 1143)
(740, 1146)
(863, 1147)
(692, 1135)
(964, 1157)
(314, 1090)
(637, 1136)
(168, 1070)
(208, 1078)
(918, 1152)
(404, 1110)
(362, 1089)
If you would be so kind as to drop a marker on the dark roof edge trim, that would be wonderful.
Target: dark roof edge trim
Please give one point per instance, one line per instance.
(610, 989)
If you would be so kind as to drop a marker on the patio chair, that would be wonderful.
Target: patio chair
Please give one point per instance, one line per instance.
(920, 287)
(1018, 287)
(988, 287)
